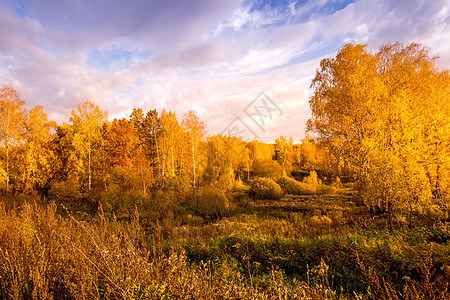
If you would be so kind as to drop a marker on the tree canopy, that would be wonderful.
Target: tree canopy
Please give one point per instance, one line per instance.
(388, 115)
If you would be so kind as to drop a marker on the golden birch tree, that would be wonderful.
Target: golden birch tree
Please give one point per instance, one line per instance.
(195, 130)
(388, 114)
(38, 157)
(12, 127)
(86, 139)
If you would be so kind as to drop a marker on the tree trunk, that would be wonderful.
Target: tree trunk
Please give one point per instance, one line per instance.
(7, 167)
(389, 206)
(181, 161)
(89, 167)
(437, 187)
(173, 165)
(193, 176)
(157, 156)
(410, 215)
(163, 157)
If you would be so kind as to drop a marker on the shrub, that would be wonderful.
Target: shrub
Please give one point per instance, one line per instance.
(212, 202)
(164, 204)
(111, 198)
(310, 185)
(291, 186)
(239, 185)
(338, 183)
(312, 179)
(325, 189)
(265, 188)
(121, 201)
(67, 192)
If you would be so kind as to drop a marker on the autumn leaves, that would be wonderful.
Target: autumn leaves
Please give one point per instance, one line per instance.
(24, 137)
(380, 118)
(91, 152)
(386, 114)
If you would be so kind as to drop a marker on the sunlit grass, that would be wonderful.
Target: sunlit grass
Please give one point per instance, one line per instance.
(297, 247)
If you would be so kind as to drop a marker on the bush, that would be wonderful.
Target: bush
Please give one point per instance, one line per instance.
(310, 185)
(239, 185)
(338, 183)
(121, 201)
(326, 189)
(312, 179)
(265, 188)
(212, 202)
(67, 192)
(291, 186)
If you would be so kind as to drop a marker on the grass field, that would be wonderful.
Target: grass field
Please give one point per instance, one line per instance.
(297, 247)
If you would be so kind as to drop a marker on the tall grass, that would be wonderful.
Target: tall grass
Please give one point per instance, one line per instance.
(45, 256)
(305, 247)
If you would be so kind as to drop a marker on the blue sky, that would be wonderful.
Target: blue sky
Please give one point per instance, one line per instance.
(213, 56)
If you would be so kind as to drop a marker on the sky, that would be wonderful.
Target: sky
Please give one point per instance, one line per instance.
(245, 66)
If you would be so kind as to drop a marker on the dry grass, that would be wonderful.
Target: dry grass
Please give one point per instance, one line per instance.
(430, 285)
(297, 247)
(45, 256)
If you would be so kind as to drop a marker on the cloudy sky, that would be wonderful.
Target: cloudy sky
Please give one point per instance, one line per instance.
(213, 56)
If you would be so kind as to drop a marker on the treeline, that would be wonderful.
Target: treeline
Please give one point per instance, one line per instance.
(91, 157)
(380, 120)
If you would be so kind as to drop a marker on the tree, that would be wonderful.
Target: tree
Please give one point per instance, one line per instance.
(170, 132)
(387, 115)
(226, 157)
(195, 130)
(12, 129)
(284, 153)
(267, 168)
(38, 158)
(260, 150)
(307, 154)
(345, 91)
(120, 139)
(152, 127)
(61, 146)
(86, 139)
(142, 155)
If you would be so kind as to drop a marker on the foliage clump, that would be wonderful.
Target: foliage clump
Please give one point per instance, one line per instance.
(382, 115)
(67, 191)
(212, 202)
(291, 186)
(267, 168)
(265, 188)
(310, 185)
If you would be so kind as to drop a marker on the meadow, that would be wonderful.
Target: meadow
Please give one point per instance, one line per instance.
(313, 246)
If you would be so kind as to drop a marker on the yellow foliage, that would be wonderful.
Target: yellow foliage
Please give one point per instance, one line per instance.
(387, 115)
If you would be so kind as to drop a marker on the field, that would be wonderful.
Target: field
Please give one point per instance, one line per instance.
(297, 247)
